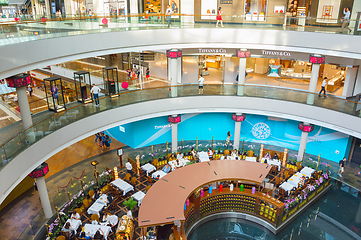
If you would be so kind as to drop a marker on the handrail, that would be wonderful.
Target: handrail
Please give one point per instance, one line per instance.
(18, 29)
(13, 146)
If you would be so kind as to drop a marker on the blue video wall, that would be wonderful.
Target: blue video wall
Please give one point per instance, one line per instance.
(256, 128)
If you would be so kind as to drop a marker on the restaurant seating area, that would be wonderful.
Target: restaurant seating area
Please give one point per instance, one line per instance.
(125, 190)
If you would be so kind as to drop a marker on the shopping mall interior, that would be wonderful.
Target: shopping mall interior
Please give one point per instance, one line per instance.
(184, 119)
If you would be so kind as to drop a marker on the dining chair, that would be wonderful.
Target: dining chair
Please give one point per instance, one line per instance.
(134, 181)
(95, 217)
(78, 211)
(61, 237)
(150, 180)
(86, 202)
(66, 235)
(91, 193)
(147, 188)
(127, 177)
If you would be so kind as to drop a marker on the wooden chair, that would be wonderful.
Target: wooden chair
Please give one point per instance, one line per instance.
(66, 235)
(287, 174)
(134, 181)
(226, 152)
(78, 211)
(291, 171)
(277, 181)
(250, 153)
(147, 188)
(127, 177)
(298, 165)
(155, 163)
(61, 237)
(86, 202)
(95, 217)
(150, 180)
(91, 193)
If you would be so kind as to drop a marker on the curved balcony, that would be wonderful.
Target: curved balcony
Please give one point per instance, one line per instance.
(68, 39)
(26, 150)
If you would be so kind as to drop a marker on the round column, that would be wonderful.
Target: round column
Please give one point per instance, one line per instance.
(24, 107)
(174, 120)
(238, 118)
(316, 60)
(174, 69)
(243, 54)
(38, 174)
(305, 128)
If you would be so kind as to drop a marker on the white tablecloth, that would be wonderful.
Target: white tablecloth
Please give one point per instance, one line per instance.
(122, 185)
(91, 229)
(203, 156)
(160, 173)
(294, 180)
(251, 159)
(231, 158)
(95, 208)
(103, 199)
(74, 223)
(139, 197)
(307, 171)
(287, 186)
(182, 163)
(148, 168)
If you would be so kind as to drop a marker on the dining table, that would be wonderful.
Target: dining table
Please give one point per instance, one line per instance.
(307, 171)
(103, 199)
(287, 186)
(139, 197)
(251, 159)
(160, 173)
(95, 208)
(91, 229)
(203, 156)
(181, 163)
(122, 185)
(148, 168)
(74, 223)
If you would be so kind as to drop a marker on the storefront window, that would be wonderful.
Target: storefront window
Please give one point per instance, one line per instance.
(152, 6)
(255, 10)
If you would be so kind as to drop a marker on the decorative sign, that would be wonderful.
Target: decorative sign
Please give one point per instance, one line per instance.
(261, 130)
(243, 54)
(40, 171)
(279, 9)
(176, 119)
(305, 128)
(317, 59)
(20, 80)
(174, 53)
(226, 2)
(238, 117)
(274, 71)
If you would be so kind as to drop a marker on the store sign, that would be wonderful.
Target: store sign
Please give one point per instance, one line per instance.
(212, 50)
(276, 53)
(226, 2)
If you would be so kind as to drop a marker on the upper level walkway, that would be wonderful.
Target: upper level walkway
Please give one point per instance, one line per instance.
(26, 45)
(25, 151)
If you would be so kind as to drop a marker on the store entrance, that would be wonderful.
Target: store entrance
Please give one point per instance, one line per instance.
(355, 156)
(212, 68)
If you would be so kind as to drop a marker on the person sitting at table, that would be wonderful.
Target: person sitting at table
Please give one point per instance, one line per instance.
(210, 153)
(99, 234)
(234, 153)
(302, 181)
(68, 228)
(110, 199)
(96, 194)
(194, 154)
(75, 215)
(267, 155)
(172, 157)
(179, 155)
(85, 235)
(112, 221)
(157, 178)
(275, 156)
(166, 168)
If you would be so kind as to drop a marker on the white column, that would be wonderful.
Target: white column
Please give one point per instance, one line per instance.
(134, 10)
(47, 9)
(303, 143)
(174, 137)
(173, 74)
(67, 4)
(237, 134)
(187, 8)
(44, 197)
(241, 75)
(179, 70)
(313, 83)
(349, 81)
(24, 107)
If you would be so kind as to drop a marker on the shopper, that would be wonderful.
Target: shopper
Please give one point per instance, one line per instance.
(168, 14)
(137, 72)
(342, 165)
(346, 20)
(95, 91)
(324, 83)
(147, 74)
(200, 86)
(30, 89)
(219, 17)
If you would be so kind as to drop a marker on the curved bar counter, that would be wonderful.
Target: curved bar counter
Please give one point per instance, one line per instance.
(183, 196)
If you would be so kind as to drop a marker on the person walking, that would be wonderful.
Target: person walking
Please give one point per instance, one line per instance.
(346, 19)
(30, 89)
(200, 86)
(168, 14)
(228, 137)
(342, 165)
(219, 17)
(95, 91)
(323, 89)
(147, 74)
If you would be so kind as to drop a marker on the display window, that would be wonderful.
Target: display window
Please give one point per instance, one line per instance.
(255, 10)
(328, 11)
(152, 6)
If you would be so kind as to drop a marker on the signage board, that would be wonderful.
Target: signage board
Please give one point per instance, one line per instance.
(226, 2)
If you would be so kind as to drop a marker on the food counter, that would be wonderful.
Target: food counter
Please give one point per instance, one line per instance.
(125, 229)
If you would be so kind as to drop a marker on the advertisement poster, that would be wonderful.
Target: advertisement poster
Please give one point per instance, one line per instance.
(174, 5)
(209, 9)
(328, 11)
(255, 129)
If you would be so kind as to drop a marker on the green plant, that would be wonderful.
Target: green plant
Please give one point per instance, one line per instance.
(130, 203)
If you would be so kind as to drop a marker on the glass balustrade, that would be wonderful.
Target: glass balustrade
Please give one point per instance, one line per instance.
(24, 139)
